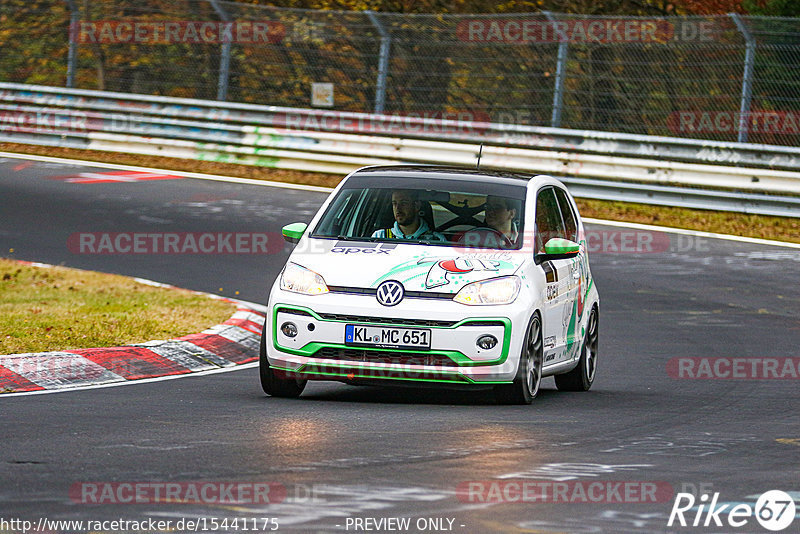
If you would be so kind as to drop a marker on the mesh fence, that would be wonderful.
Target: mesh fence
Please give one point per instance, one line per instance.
(679, 76)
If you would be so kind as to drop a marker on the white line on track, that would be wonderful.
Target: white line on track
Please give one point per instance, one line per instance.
(695, 233)
(132, 382)
(186, 174)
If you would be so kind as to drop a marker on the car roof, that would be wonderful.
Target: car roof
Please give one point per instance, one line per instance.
(439, 172)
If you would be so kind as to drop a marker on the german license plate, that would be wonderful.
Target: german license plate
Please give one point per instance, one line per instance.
(387, 337)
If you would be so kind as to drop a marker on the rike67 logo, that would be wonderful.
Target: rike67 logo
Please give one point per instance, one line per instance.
(774, 510)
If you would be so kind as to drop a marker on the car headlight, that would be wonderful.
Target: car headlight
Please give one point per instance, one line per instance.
(494, 291)
(301, 280)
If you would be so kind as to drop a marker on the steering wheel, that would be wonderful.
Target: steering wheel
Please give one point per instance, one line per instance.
(486, 238)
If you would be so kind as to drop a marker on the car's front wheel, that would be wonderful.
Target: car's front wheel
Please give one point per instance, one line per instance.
(582, 377)
(529, 372)
(272, 384)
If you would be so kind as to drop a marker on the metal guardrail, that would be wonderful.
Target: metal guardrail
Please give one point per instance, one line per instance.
(613, 166)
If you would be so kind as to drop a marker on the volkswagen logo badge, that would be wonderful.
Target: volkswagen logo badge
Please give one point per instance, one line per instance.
(390, 293)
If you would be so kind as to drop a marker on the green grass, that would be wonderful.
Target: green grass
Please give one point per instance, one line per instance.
(43, 309)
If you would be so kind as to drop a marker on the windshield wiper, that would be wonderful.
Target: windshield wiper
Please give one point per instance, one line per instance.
(350, 238)
(382, 240)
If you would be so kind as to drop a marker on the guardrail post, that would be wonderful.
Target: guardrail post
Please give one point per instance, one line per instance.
(561, 72)
(747, 77)
(383, 61)
(225, 55)
(72, 53)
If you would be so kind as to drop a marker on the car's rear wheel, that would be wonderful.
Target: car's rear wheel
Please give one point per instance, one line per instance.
(582, 377)
(271, 383)
(529, 372)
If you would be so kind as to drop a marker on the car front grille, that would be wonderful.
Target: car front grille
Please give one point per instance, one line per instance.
(377, 356)
(293, 311)
(408, 294)
(385, 320)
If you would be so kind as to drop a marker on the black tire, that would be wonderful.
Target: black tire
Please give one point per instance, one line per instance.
(582, 377)
(272, 384)
(529, 372)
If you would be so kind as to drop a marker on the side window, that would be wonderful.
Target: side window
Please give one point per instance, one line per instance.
(570, 225)
(548, 218)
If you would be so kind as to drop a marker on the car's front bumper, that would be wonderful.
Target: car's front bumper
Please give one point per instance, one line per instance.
(319, 350)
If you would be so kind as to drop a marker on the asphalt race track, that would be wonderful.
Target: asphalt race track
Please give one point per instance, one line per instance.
(343, 458)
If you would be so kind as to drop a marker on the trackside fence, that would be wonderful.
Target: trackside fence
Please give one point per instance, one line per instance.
(725, 77)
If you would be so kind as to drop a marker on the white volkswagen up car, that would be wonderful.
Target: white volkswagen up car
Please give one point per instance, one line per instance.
(436, 276)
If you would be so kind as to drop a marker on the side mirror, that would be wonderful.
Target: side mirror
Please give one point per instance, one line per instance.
(293, 232)
(559, 249)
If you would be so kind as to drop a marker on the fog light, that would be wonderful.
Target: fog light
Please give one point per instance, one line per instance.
(487, 342)
(289, 329)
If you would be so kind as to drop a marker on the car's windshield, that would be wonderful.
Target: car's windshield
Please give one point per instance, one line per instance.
(464, 214)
